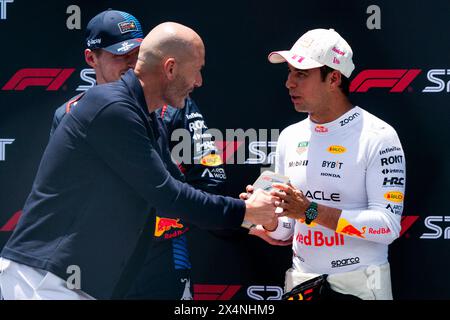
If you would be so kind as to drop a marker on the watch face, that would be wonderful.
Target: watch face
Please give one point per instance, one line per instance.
(310, 214)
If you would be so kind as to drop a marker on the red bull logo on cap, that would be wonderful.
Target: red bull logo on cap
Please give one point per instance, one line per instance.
(165, 224)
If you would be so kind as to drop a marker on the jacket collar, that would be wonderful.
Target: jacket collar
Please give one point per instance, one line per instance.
(133, 84)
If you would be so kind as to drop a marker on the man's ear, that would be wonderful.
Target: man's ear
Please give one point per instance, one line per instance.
(335, 79)
(170, 68)
(90, 58)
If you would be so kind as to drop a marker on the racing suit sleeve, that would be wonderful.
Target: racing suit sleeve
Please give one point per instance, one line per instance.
(285, 228)
(204, 169)
(131, 154)
(385, 186)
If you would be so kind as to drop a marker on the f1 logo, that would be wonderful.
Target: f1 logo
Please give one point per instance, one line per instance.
(51, 78)
(396, 79)
(3, 6)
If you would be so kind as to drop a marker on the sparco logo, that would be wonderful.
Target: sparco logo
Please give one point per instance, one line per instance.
(391, 160)
(344, 262)
(349, 119)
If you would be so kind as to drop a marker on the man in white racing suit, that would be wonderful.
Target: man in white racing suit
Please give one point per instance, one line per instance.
(347, 171)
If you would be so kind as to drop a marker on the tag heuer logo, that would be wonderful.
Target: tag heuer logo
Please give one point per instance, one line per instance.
(302, 147)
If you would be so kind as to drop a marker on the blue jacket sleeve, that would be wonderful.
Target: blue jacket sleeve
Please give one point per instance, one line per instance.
(121, 138)
(59, 114)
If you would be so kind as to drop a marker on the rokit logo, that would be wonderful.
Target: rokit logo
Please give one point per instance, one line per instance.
(436, 224)
(393, 181)
(51, 78)
(391, 160)
(344, 262)
(3, 143)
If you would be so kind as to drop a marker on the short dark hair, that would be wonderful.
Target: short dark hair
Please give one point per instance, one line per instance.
(98, 52)
(345, 82)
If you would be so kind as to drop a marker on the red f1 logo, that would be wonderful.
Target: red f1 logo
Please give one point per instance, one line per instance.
(214, 292)
(396, 79)
(407, 222)
(12, 222)
(51, 78)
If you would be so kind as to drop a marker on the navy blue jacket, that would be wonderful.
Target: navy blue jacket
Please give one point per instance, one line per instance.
(99, 178)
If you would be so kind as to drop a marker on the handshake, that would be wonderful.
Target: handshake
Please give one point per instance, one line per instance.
(270, 197)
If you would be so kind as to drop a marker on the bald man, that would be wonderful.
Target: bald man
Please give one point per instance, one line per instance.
(84, 228)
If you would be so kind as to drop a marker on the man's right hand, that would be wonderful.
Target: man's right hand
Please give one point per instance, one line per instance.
(260, 207)
(249, 191)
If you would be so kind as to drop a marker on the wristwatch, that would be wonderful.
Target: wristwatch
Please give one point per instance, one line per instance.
(247, 225)
(311, 213)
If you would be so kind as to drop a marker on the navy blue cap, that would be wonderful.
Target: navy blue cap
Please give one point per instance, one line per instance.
(115, 31)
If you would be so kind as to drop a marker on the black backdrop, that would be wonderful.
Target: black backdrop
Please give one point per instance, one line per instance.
(242, 90)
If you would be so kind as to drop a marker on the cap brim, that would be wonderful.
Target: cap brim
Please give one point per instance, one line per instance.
(124, 47)
(296, 60)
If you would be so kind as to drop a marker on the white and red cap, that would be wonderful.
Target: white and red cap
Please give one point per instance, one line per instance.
(317, 48)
